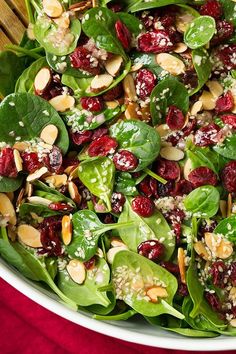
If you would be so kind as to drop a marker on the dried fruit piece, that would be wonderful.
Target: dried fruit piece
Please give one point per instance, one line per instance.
(207, 135)
(167, 169)
(60, 206)
(143, 206)
(211, 8)
(218, 273)
(53, 160)
(226, 54)
(101, 82)
(225, 103)
(49, 134)
(123, 34)
(175, 118)
(224, 32)
(82, 137)
(92, 104)
(182, 187)
(102, 146)
(213, 301)
(228, 176)
(155, 42)
(229, 119)
(77, 271)
(170, 63)
(113, 65)
(42, 80)
(82, 59)
(117, 202)
(113, 93)
(28, 235)
(7, 163)
(145, 82)
(202, 176)
(151, 249)
(62, 103)
(124, 160)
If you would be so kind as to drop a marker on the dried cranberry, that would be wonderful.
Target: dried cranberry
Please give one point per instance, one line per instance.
(175, 118)
(225, 103)
(175, 215)
(155, 42)
(154, 187)
(228, 176)
(151, 249)
(229, 119)
(117, 202)
(54, 160)
(83, 137)
(171, 267)
(147, 19)
(115, 7)
(206, 226)
(99, 132)
(145, 188)
(60, 206)
(211, 8)
(50, 230)
(189, 78)
(226, 54)
(167, 19)
(90, 263)
(82, 59)
(174, 35)
(190, 126)
(224, 32)
(124, 161)
(165, 190)
(123, 34)
(218, 273)
(233, 273)
(113, 93)
(7, 163)
(102, 146)
(143, 206)
(145, 82)
(92, 104)
(213, 301)
(70, 161)
(207, 135)
(182, 288)
(202, 176)
(167, 169)
(30, 162)
(183, 187)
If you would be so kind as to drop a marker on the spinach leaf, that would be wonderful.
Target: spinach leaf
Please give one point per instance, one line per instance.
(134, 6)
(119, 317)
(227, 227)
(148, 60)
(8, 184)
(98, 176)
(227, 148)
(134, 25)
(202, 66)
(154, 227)
(35, 113)
(200, 32)
(203, 201)
(135, 269)
(100, 310)
(44, 191)
(125, 183)
(229, 10)
(204, 157)
(26, 209)
(166, 93)
(139, 138)
(87, 293)
(25, 82)
(46, 33)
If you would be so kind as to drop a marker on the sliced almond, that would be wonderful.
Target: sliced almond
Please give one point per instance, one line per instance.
(62, 103)
(183, 21)
(7, 209)
(223, 208)
(156, 292)
(201, 250)
(52, 8)
(28, 189)
(187, 168)
(196, 108)
(172, 153)
(37, 174)
(234, 108)
(181, 263)
(18, 160)
(74, 192)
(233, 321)
(163, 130)
(42, 80)
(215, 88)
(77, 271)
(113, 65)
(136, 67)
(20, 197)
(113, 251)
(144, 113)
(49, 134)
(28, 235)
(101, 82)
(56, 180)
(170, 63)
(45, 146)
(30, 32)
(21, 146)
(74, 173)
(180, 47)
(229, 205)
(39, 200)
(208, 101)
(63, 21)
(66, 231)
(220, 247)
(80, 6)
(95, 3)
(129, 88)
(131, 111)
(112, 104)
(117, 242)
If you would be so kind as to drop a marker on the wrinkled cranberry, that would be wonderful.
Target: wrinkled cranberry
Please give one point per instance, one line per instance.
(226, 54)
(154, 187)
(30, 162)
(171, 267)
(123, 34)
(229, 119)
(190, 126)
(144, 187)
(189, 78)
(167, 19)
(164, 190)
(211, 8)
(218, 273)
(177, 231)
(7, 163)
(206, 226)
(151, 249)
(145, 82)
(202, 176)
(90, 263)
(183, 187)
(117, 202)
(213, 301)
(113, 93)
(174, 138)
(207, 135)
(182, 288)
(83, 137)
(70, 161)
(99, 132)
(115, 7)
(167, 169)
(175, 118)
(60, 206)
(50, 230)
(175, 215)
(92, 104)
(233, 273)
(225, 103)
(147, 19)
(155, 42)
(107, 218)
(228, 176)
(102, 146)
(174, 35)
(143, 206)
(53, 160)
(124, 161)
(224, 32)
(82, 59)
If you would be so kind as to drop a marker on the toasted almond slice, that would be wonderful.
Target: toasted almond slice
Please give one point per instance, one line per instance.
(62, 103)
(196, 108)
(229, 205)
(37, 174)
(170, 63)
(223, 208)
(163, 130)
(181, 263)
(66, 231)
(183, 20)
(113, 251)
(129, 88)
(145, 113)
(20, 197)
(21, 146)
(136, 67)
(202, 251)
(233, 321)
(63, 21)
(74, 173)
(117, 242)
(28, 189)
(113, 65)
(7, 209)
(49, 134)
(74, 192)
(39, 200)
(131, 111)
(56, 180)
(42, 80)
(77, 271)
(95, 3)
(80, 6)
(112, 104)
(18, 160)
(216, 89)
(156, 292)
(10, 195)
(172, 153)
(218, 245)
(30, 32)
(45, 146)
(28, 235)
(180, 47)
(52, 8)
(208, 101)
(101, 82)
(187, 168)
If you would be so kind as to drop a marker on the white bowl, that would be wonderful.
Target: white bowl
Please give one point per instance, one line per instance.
(132, 331)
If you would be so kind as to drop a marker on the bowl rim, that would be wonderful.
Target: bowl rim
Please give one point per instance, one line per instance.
(179, 343)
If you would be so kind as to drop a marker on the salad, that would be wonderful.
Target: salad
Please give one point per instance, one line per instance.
(118, 159)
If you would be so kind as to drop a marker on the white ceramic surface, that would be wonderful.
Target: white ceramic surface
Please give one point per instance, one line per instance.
(132, 331)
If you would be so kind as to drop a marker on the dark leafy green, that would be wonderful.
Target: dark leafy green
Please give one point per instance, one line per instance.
(227, 227)
(125, 183)
(200, 32)
(227, 148)
(10, 184)
(25, 82)
(202, 65)
(27, 209)
(134, 6)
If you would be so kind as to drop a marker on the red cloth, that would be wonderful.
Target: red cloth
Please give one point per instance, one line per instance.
(27, 328)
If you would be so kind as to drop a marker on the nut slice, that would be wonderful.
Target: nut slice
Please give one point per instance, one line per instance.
(113, 251)
(131, 111)
(77, 271)
(208, 101)
(52, 8)
(201, 250)
(220, 247)
(39, 200)
(28, 235)
(66, 231)
(62, 103)
(187, 168)
(56, 180)
(42, 80)
(49, 134)
(101, 82)
(196, 108)
(170, 63)
(18, 160)
(172, 153)
(129, 88)
(74, 192)
(113, 65)
(180, 47)
(181, 263)
(215, 88)
(21, 146)
(37, 174)
(155, 292)
(7, 209)
(63, 21)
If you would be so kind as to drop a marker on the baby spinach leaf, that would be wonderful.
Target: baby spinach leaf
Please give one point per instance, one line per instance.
(200, 32)
(119, 317)
(98, 176)
(35, 113)
(202, 65)
(25, 82)
(229, 10)
(125, 183)
(168, 92)
(44, 191)
(87, 229)
(148, 60)
(138, 271)
(87, 293)
(26, 209)
(8, 184)
(46, 33)
(134, 6)
(100, 310)
(139, 138)
(204, 157)
(154, 227)
(227, 227)
(134, 25)
(203, 201)
(227, 148)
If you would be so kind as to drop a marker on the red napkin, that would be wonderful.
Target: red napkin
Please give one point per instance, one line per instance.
(28, 328)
